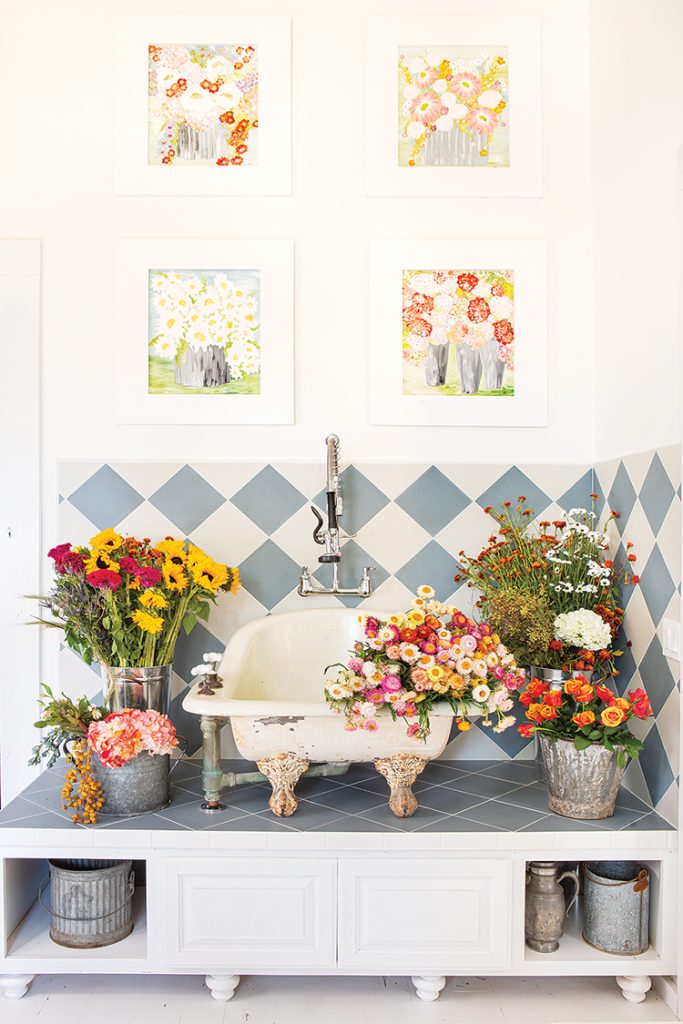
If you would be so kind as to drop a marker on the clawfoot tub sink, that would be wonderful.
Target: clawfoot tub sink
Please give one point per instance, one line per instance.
(273, 673)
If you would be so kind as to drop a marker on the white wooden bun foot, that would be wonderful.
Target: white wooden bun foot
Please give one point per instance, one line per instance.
(633, 989)
(428, 989)
(222, 987)
(15, 986)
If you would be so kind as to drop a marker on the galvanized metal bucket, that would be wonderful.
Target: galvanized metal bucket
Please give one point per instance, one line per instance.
(556, 679)
(581, 783)
(91, 902)
(148, 689)
(616, 906)
(140, 786)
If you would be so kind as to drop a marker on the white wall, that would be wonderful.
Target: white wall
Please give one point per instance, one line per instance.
(636, 131)
(57, 173)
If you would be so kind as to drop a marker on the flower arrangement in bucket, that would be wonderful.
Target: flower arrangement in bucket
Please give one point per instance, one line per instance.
(118, 761)
(122, 602)
(408, 662)
(586, 741)
(550, 589)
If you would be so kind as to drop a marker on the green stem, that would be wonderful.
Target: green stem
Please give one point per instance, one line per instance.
(168, 645)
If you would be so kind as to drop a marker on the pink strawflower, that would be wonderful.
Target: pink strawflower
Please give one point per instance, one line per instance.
(393, 652)
(369, 724)
(391, 684)
(375, 696)
(355, 664)
(414, 729)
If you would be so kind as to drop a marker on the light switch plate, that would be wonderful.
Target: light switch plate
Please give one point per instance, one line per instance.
(671, 639)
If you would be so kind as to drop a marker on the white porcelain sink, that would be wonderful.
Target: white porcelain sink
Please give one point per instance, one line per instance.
(273, 674)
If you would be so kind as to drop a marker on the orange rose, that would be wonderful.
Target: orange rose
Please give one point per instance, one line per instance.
(612, 716)
(537, 687)
(583, 718)
(553, 698)
(622, 703)
(604, 693)
(547, 712)
(572, 686)
(585, 694)
(533, 712)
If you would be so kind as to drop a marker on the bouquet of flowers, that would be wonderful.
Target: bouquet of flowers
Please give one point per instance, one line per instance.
(408, 662)
(585, 714)
(549, 588)
(122, 602)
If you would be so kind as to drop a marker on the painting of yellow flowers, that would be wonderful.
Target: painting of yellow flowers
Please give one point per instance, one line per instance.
(204, 332)
(453, 106)
(458, 332)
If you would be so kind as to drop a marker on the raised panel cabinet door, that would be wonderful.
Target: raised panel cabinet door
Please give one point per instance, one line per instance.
(437, 915)
(251, 913)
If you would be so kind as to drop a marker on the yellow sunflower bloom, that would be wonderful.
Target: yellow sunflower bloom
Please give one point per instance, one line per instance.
(150, 599)
(100, 560)
(173, 550)
(207, 574)
(234, 579)
(174, 577)
(148, 623)
(107, 540)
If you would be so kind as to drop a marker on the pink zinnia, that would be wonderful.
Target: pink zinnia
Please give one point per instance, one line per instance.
(482, 121)
(427, 107)
(465, 85)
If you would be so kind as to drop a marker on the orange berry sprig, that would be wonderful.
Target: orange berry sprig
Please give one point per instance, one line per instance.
(81, 792)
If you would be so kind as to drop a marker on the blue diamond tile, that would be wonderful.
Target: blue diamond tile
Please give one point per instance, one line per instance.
(187, 726)
(657, 677)
(622, 563)
(268, 500)
(354, 559)
(596, 488)
(656, 584)
(362, 500)
(433, 500)
(432, 565)
(622, 497)
(191, 648)
(105, 498)
(509, 487)
(579, 494)
(655, 766)
(656, 494)
(187, 499)
(269, 574)
(626, 664)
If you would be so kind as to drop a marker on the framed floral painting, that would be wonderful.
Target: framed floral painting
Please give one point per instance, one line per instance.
(455, 106)
(206, 328)
(458, 333)
(203, 105)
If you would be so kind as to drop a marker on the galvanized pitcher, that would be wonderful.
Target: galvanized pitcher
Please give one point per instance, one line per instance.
(545, 908)
(582, 783)
(148, 689)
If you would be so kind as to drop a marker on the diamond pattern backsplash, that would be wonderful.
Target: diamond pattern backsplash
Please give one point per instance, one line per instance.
(410, 522)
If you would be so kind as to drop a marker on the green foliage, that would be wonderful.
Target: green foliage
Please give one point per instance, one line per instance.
(61, 721)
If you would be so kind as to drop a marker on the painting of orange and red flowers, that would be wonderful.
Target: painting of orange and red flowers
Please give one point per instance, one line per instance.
(458, 332)
(202, 105)
(453, 106)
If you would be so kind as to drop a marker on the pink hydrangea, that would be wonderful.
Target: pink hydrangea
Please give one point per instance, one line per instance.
(123, 735)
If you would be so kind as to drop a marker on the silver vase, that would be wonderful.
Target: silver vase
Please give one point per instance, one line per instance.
(582, 784)
(469, 368)
(556, 678)
(437, 364)
(148, 689)
(494, 368)
(140, 786)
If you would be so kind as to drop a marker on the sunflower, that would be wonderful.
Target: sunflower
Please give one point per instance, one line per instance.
(148, 623)
(150, 599)
(173, 550)
(99, 559)
(107, 540)
(174, 576)
(207, 574)
(234, 579)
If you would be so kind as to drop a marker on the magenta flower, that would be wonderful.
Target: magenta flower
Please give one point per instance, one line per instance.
(391, 684)
(72, 562)
(58, 553)
(128, 564)
(104, 579)
(148, 576)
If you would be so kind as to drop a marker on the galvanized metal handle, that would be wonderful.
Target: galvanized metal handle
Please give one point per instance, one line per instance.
(577, 887)
(99, 917)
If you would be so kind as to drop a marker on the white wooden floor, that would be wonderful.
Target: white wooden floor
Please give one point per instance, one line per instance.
(77, 999)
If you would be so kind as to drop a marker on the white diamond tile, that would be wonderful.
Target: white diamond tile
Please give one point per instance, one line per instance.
(73, 525)
(228, 535)
(637, 466)
(148, 521)
(475, 479)
(232, 611)
(671, 460)
(71, 475)
(392, 478)
(392, 537)
(75, 677)
(392, 595)
(555, 480)
(638, 530)
(228, 477)
(146, 477)
(634, 782)
(295, 537)
(669, 725)
(307, 477)
(605, 473)
(473, 745)
(468, 532)
(669, 540)
(667, 805)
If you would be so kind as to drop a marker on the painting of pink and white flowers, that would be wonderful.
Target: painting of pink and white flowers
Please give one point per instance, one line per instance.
(458, 332)
(453, 106)
(202, 104)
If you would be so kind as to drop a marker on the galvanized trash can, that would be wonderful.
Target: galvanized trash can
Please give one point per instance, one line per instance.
(616, 906)
(91, 902)
(140, 786)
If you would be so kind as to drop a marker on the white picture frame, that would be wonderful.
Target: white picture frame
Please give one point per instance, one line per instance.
(388, 403)
(521, 36)
(274, 262)
(271, 37)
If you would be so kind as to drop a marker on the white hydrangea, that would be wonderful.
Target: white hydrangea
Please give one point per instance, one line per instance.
(583, 628)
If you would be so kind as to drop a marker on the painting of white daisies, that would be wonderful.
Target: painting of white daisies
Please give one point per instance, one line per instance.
(204, 332)
(454, 106)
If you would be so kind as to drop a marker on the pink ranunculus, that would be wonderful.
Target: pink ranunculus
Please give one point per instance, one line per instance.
(391, 684)
(427, 107)
(148, 576)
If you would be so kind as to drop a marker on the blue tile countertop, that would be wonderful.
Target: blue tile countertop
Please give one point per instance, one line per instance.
(454, 796)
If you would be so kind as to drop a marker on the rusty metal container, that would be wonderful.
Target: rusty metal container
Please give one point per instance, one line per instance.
(140, 786)
(616, 906)
(91, 902)
(581, 783)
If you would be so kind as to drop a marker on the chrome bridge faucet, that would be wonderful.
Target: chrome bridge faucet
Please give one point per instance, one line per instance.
(331, 536)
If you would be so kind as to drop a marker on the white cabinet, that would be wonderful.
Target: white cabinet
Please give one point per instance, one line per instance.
(441, 916)
(246, 913)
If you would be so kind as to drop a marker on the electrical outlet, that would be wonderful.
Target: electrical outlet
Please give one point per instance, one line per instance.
(671, 639)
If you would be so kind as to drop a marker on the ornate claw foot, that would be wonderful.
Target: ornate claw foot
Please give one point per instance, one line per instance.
(428, 989)
(633, 989)
(222, 987)
(400, 771)
(15, 986)
(283, 772)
